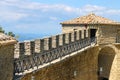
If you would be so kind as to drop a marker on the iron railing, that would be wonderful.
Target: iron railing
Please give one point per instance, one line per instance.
(29, 62)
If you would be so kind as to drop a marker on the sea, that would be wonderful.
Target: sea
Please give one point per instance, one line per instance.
(27, 36)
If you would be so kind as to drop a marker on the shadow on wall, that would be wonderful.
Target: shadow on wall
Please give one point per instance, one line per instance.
(102, 78)
(105, 61)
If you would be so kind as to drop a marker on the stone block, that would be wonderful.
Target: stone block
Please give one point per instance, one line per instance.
(27, 48)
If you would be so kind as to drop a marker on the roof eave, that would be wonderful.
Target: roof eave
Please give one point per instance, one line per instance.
(118, 24)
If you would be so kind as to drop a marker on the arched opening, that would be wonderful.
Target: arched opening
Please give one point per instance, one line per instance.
(105, 60)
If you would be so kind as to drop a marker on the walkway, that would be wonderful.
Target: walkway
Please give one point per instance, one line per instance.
(37, 61)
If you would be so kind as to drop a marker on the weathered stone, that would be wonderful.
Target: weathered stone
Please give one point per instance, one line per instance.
(6, 62)
(54, 42)
(27, 48)
(16, 50)
(67, 41)
(61, 39)
(47, 43)
(81, 66)
(101, 61)
(6, 57)
(39, 45)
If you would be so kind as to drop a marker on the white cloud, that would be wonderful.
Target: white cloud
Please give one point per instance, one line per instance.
(113, 12)
(9, 12)
(18, 9)
(8, 15)
(90, 8)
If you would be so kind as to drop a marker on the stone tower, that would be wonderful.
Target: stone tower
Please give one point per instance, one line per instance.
(6, 57)
(105, 30)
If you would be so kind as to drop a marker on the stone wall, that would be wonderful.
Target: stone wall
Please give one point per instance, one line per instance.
(106, 34)
(69, 28)
(82, 66)
(6, 62)
(40, 45)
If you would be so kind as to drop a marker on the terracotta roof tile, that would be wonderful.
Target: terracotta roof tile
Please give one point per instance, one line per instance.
(90, 19)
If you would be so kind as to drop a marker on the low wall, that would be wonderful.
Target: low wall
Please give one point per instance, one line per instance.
(82, 66)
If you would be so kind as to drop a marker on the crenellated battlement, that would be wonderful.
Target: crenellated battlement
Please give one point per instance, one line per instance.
(41, 45)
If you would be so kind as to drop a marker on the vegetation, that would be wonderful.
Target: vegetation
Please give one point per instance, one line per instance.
(1, 30)
(11, 34)
(8, 33)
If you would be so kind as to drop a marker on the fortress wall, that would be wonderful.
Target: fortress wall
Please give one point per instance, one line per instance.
(27, 48)
(41, 45)
(61, 39)
(82, 66)
(6, 62)
(72, 37)
(37, 45)
(106, 34)
(118, 63)
(82, 34)
(70, 28)
(24, 48)
(16, 50)
(47, 43)
(54, 41)
(67, 36)
(78, 35)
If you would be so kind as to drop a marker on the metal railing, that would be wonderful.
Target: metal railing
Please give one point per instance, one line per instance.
(29, 62)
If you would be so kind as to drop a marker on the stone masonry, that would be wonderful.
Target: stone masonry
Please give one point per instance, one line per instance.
(95, 63)
(6, 57)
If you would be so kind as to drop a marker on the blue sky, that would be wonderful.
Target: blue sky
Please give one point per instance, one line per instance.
(44, 16)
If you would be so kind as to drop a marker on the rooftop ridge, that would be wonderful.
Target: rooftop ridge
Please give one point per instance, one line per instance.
(90, 19)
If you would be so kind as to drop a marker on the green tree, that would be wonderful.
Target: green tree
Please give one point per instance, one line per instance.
(11, 34)
(7, 33)
(1, 30)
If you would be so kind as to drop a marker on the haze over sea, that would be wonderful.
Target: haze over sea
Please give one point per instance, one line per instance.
(29, 36)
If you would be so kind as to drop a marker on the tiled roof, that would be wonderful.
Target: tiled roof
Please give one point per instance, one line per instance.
(4, 39)
(90, 19)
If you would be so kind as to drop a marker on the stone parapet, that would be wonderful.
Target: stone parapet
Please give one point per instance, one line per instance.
(45, 44)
